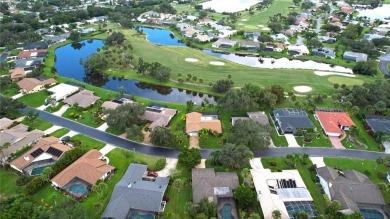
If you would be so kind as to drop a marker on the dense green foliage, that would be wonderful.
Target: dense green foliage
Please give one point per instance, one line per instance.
(204, 209)
(222, 86)
(190, 157)
(125, 116)
(245, 197)
(235, 156)
(236, 100)
(134, 132)
(163, 136)
(251, 134)
(9, 107)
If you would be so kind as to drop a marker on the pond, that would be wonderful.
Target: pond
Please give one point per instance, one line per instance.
(376, 13)
(68, 65)
(164, 37)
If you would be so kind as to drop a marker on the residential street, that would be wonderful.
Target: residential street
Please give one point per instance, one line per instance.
(384, 62)
(173, 153)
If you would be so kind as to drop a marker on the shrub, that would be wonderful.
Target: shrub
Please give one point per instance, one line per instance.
(273, 163)
(35, 184)
(382, 175)
(308, 140)
(159, 165)
(23, 180)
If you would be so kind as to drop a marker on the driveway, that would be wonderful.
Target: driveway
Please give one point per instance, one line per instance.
(299, 41)
(173, 153)
(103, 127)
(52, 129)
(336, 142)
(70, 134)
(171, 164)
(17, 96)
(318, 161)
(292, 142)
(256, 163)
(62, 110)
(43, 107)
(106, 149)
(318, 27)
(194, 142)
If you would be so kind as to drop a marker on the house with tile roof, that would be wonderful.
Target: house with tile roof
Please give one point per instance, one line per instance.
(333, 123)
(196, 121)
(84, 99)
(159, 116)
(32, 85)
(19, 137)
(17, 74)
(32, 54)
(5, 122)
(80, 176)
(354, 190)
(43, 154)
(137, 193)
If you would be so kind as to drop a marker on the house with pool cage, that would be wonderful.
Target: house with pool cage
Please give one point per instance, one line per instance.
(42, 155)
(78, 178)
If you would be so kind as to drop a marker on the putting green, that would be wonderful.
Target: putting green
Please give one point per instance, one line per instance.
(346, 81)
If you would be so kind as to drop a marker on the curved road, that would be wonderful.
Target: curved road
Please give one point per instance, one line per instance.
(384, 62)
(173, 153)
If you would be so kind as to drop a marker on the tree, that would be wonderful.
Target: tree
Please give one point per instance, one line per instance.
(276, 27)
(31, 116)
(300, 215)
(366, 68)
(134, 132)
(265, 38)
(121, 91)
(202, 14)
(204, 208)
(47, 174)
(355, 110)
(333, 209)
(9, 107)
(74, 35)
(250, 133)
(190, 105)
(235, 156)
(236, 100)
(203, 135)
(163, 136)
(245, 196)
(190, 157)
(125, 116)
(222, 86)
(379, 161)
(314, 43)
(99, 188)
(276, 214)
(116, 38)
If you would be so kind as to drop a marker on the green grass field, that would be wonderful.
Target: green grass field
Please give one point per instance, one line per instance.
(60, 132)
(35, 99)
(8, 183)
(87, 142)
(249, 22)
(38, 124)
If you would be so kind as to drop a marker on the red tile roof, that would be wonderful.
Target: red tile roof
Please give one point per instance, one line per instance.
(331, 121)
(31, 53)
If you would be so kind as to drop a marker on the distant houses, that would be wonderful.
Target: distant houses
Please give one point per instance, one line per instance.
(78, 178)
(378, 123)
(324, 52)
(36, 46)
(137, 194)
(62, 91)
(354, 190)
(19, 137)
(355, 56)
(113, 104)
(224, 43)
(334, 123)
(290, 120)
(197, 121)
(43, 154)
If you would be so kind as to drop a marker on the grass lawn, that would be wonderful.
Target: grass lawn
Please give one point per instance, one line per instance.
(250, 22)
(60, 132)
(345, 80)
(9, 90)
(35, 99)
(95, 204)
(52, 109)
(87, 115)
(114, 131)
(313, 188)
(178, 199)
(8, 183)
(15, 52)
(38, 124)
(361, 166)
(322, 141)
(87, 142)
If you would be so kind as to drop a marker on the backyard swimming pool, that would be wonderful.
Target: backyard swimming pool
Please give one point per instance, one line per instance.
(78, 189)
(371, 214)
(226, 211)
(141, 216)
(37, 171)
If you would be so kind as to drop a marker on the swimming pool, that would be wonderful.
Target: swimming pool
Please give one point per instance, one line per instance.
(37, 171)
(226, 211)
(78, 189)
(371, 214)
(141, 216)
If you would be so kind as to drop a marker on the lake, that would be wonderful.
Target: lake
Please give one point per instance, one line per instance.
(376, 13)
(161, 36)
(68, 65)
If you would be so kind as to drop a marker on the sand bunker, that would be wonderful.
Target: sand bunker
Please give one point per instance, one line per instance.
(302, 89)
(240, 24)
(266, 28)
(217, 63)
(324, 73)
(191, 60)
(260, 25)
(244, 20)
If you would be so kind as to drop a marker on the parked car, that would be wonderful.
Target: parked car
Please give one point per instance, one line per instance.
(151, 173)
(65, 138)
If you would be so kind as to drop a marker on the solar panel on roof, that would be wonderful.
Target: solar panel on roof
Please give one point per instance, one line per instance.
(37, 152)
(54, 151)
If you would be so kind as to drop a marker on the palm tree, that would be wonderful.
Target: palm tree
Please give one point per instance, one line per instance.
(46, 174)
(99, 188)
(178, 185)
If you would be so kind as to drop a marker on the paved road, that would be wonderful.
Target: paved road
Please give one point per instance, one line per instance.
(318, 27)
(4, 56)
(384, 62)
(173, 153)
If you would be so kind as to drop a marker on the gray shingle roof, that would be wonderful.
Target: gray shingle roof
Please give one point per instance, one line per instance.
(205, 180)
(351, 188)
(379, 123)
(132, 192)
(292, 119)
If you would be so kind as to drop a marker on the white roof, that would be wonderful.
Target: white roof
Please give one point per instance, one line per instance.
(63, 90)
(264, 180)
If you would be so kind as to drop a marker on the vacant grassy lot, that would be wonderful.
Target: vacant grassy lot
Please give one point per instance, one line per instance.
(249, 21)
(38, 124)
(35, 99)
(8, 183)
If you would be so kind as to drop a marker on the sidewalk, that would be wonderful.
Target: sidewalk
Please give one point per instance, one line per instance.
(106, 149)
(256, 163)
(52, 129)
